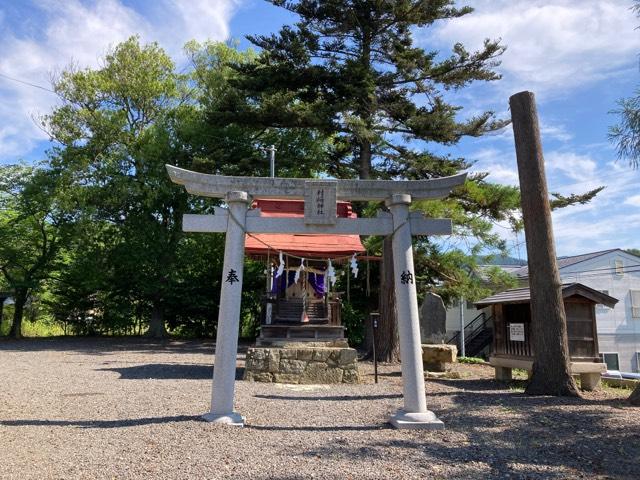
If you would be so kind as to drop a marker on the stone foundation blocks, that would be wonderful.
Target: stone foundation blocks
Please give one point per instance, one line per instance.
(435, 357)
(303, 365)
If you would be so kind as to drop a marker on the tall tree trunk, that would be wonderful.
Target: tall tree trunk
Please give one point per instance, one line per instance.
(19, 299)
(388, 345)
(1, 310)
(156, 324)
(551, 371)
(365, 159)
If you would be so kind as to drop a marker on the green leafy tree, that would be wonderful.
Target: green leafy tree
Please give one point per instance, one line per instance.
(35, 220)
(117, 128)
(626, 134)
(633, 251)
(108, 128)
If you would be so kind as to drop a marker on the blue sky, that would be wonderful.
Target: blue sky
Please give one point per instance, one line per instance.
(578, 56)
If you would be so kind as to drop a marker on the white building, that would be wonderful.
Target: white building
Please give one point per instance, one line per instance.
(616, 273)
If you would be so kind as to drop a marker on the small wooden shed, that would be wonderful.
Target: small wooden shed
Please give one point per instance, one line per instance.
(512, 342)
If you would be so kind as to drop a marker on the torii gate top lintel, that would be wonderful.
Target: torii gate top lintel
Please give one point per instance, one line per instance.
(218, 186)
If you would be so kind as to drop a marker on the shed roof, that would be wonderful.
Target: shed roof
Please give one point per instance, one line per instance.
(523, 295)
(317, 245)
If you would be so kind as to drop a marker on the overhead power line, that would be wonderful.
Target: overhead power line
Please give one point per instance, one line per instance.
(26, 83)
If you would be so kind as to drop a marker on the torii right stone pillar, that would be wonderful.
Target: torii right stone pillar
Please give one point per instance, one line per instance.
(414, 415)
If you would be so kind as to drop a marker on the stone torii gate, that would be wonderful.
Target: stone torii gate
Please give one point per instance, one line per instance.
(320, 204)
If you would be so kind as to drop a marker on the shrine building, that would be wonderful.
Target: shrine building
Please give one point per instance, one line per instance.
(301, 303)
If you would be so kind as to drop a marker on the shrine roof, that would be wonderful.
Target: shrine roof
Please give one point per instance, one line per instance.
(523, 295)
(316, 245)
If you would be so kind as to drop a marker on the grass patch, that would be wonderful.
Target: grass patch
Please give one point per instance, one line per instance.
(472, 360)
(617, 389)
(520, 374)
(39, 328)
(517, 386)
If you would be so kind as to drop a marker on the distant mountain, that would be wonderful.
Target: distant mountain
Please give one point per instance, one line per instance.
(502, 260)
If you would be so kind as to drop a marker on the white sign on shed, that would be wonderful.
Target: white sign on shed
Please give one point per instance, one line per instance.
(516, 332)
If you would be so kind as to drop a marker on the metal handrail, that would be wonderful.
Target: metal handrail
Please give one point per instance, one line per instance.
(476, 329)
(474, 333)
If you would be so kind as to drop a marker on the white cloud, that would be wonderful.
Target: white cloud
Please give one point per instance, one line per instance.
(203, 19)
(552, 45)
(579, 168)
(81, 32)
(634, 201)
(554, 131)
(607, 221)
(575, 235)
(500, 165)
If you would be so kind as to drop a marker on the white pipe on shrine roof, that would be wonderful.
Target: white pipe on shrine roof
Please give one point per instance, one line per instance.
(217, 186)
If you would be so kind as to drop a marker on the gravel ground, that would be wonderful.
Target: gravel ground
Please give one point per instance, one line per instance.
(113, 408)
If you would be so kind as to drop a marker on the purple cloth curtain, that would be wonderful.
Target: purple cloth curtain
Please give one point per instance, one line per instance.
(283, 282)
(316, 280)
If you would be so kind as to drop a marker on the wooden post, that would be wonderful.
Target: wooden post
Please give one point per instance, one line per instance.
(551, 365)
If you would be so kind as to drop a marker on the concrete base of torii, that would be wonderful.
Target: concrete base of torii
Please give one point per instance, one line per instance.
(416, 421)
(234, 419)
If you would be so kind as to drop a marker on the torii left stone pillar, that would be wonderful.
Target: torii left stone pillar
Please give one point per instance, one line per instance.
(224, 370)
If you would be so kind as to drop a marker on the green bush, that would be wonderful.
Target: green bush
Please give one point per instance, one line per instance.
(353, 321)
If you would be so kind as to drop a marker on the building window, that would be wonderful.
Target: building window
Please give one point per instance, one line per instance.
(619, 267)
(611, 359)
(635, 303)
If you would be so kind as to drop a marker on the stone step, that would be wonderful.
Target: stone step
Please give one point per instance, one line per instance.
(291, 321)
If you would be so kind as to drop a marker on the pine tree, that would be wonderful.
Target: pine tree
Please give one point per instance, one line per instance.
(351, 69)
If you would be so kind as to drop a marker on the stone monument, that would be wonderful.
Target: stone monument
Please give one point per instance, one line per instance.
(433, 319)
(436, 354)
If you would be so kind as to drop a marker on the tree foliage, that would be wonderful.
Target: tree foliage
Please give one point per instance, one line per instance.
(130, 268)
(625, 135)
(351, 70)
(35, 220)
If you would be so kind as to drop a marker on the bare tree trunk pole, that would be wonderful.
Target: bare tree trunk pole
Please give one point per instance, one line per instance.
(551, 373)
(388, 344)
